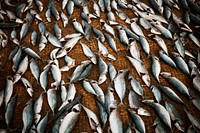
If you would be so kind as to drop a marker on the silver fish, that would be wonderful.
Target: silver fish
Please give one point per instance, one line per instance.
(21, 69)
(104, 51)
(103, 70)
(123, 36)
(145, 45)
(35, 14)
(138, 122)
(79, 70)
(107, 28)
(58, 31)
(135, 85)
(164, 57)
(96, 9)
(53, 40)
(93, 120)
(100, 95)
(70, 64)
(156, 93)
(181, 64)
(44, 79)
(196, 82)
(160, 42)
(39, 5)
(111, 43)
(71, 93)
(112, 71)
(180, 23)
(71, 43)
(64, 3)
(194, 120)
(34, 37)
(164, 31)
(24, 30)
(31, 53)
(115, 122)
(99, 34)
(171, 94)
(69, 121)
(10, 110)
(56, 73)
(88, 52)
(101, 5)
(175, 116)
(133, 100)
(27, 116)
(42, 124)
(120, 85)
(176, 83)
(28, 86)
(139, 66)
(70, 7)
(64, 18)
(136, 28)
(156, 67)
(52, 99)
(161, 111)
(88, 87)
(78, 27)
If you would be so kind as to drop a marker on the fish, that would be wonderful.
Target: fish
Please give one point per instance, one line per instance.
(44, 79)
(163, 114)
(28, 86)
(88, 87)
(42, 124)
(69, 121)
(78, 27)
(107, 28)
(21, 69)
(164, 57)
(70, 7)
(88, 52)
(176, 83)
(115, 122)
(103, 70)
(100, 95)
(171, 94)
(120, 85)
(138, 122)
(180, 63)
(156, 67)
(93, 120)
(157, 93)
(52, 99)
(135, 85)
(27, 116)
(81, 71)
(10, 110)
(194, 120)
(175, 116)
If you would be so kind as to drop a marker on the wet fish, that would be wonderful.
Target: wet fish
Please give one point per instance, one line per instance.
(52, 99)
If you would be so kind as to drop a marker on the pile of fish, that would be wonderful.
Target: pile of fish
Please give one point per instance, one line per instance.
(157, 18)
